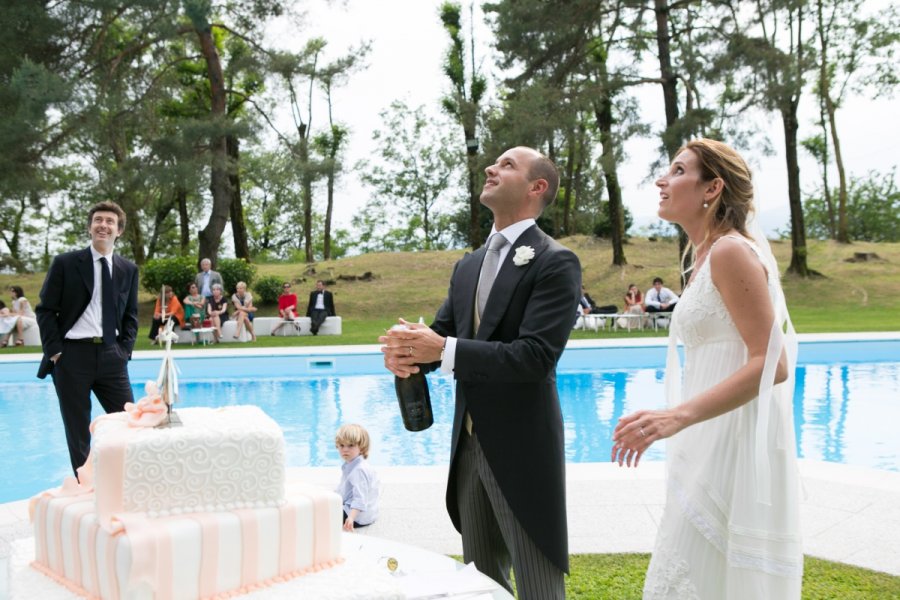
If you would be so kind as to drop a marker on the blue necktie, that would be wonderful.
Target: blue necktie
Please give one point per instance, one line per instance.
(107, 303)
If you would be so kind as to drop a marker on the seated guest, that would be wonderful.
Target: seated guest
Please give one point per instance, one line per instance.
(359, 487)
(320, 307)
(287, 307)
(174, 311)
(7, 324)
(634, 301)
(20, 318)
(243, 310)
(659, 298)
(194, 307)
(586, 303)
(634, 305)
(217, 309)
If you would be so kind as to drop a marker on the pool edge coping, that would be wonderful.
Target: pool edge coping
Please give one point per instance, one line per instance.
(649, 342)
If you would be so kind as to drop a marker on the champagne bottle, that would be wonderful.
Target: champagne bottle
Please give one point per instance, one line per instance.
(414, 399)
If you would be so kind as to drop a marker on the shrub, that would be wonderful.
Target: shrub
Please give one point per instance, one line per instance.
(178, 272)
(234, 270)
(267, 289)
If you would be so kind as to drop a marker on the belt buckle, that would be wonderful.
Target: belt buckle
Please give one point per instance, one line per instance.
(96, 340)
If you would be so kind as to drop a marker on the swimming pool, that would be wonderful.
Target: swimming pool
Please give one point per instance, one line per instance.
(845, 407)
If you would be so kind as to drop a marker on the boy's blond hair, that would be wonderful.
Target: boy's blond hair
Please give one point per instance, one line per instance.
(353, 435)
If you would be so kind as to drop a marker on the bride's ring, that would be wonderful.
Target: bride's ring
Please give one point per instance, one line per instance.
(410, 350)
(642, 432)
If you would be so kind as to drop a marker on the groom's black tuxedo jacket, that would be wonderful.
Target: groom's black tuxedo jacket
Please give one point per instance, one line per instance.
(66, 293)
(506, 379)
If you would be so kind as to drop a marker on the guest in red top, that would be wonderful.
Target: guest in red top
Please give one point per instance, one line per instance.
(173, 310)
(287, 307)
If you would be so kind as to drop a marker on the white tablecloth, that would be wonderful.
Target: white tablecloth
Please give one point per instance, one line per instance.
(364, 574)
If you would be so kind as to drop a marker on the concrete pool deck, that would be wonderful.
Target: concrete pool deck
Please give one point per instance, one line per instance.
(849, 514)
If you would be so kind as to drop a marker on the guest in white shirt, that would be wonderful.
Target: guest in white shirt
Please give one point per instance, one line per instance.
(659, 298)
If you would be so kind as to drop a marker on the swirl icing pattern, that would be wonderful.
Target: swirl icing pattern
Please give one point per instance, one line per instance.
(224, 458)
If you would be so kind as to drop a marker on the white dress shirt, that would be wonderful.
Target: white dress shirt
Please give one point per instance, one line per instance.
(90, 323)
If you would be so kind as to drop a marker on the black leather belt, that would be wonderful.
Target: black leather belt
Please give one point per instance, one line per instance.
(91, 340)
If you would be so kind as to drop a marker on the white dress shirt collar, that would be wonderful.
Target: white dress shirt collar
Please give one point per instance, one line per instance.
(96, 256)
(513, 232)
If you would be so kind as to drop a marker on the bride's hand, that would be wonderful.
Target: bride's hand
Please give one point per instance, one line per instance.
(634, 433)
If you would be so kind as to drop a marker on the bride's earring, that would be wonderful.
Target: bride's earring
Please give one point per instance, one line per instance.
(706, 205)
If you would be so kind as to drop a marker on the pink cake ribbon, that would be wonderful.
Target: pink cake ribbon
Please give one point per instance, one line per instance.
(149, 411)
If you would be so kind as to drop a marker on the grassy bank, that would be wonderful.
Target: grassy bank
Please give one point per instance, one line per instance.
(373, 290)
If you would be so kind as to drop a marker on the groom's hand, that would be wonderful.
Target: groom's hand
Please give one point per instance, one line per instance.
(404, 348)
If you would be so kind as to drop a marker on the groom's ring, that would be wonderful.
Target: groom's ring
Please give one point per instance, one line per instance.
(642, 432)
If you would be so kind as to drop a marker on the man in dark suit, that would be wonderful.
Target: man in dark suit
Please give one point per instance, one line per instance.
(321, 305)
(501, 332)
(88, 321)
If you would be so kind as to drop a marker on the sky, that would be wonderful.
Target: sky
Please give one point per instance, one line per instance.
(408, 46)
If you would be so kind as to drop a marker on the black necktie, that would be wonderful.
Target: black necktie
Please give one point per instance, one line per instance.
(107, 303)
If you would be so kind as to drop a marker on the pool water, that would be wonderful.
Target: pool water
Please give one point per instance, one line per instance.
(844, 411)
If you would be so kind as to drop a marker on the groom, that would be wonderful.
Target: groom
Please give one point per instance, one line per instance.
(501, 332)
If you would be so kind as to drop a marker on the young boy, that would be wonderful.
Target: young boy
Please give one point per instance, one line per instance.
(359, 488)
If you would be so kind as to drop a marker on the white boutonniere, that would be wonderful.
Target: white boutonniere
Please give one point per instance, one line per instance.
(523, 256)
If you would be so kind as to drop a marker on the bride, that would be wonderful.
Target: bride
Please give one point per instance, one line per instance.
(731, 526)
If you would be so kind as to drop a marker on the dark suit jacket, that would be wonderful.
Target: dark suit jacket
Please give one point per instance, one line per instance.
(329, 303)
(506, 378)
(66, 293)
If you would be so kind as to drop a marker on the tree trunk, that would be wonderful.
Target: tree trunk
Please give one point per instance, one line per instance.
(474, 193)
(158, 220)
(329, 211)
(567, 191)
(839, 233)
(238, 228)
(843, 234)
(183, 221)
(219, 186)
(826, 191)
(798, 264)
(137, 237)
(306, 193)
(671, 140)
(13, 238)
(603, 112)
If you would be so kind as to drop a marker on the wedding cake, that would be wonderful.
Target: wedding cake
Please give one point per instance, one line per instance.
(195, 511)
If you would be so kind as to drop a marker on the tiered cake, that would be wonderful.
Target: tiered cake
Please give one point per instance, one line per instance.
(196, 511)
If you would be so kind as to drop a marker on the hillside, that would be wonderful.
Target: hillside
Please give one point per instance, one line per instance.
(850, 296)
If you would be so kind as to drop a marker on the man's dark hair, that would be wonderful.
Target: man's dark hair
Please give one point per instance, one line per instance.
(108, 207)
(657, 280)
(543, 168)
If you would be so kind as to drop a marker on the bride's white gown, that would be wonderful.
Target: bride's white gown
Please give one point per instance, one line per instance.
(719, 539)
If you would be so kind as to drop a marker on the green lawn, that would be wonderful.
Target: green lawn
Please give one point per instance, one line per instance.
(621, 577)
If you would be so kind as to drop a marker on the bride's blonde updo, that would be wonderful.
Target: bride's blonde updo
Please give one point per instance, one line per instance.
(732, 207)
